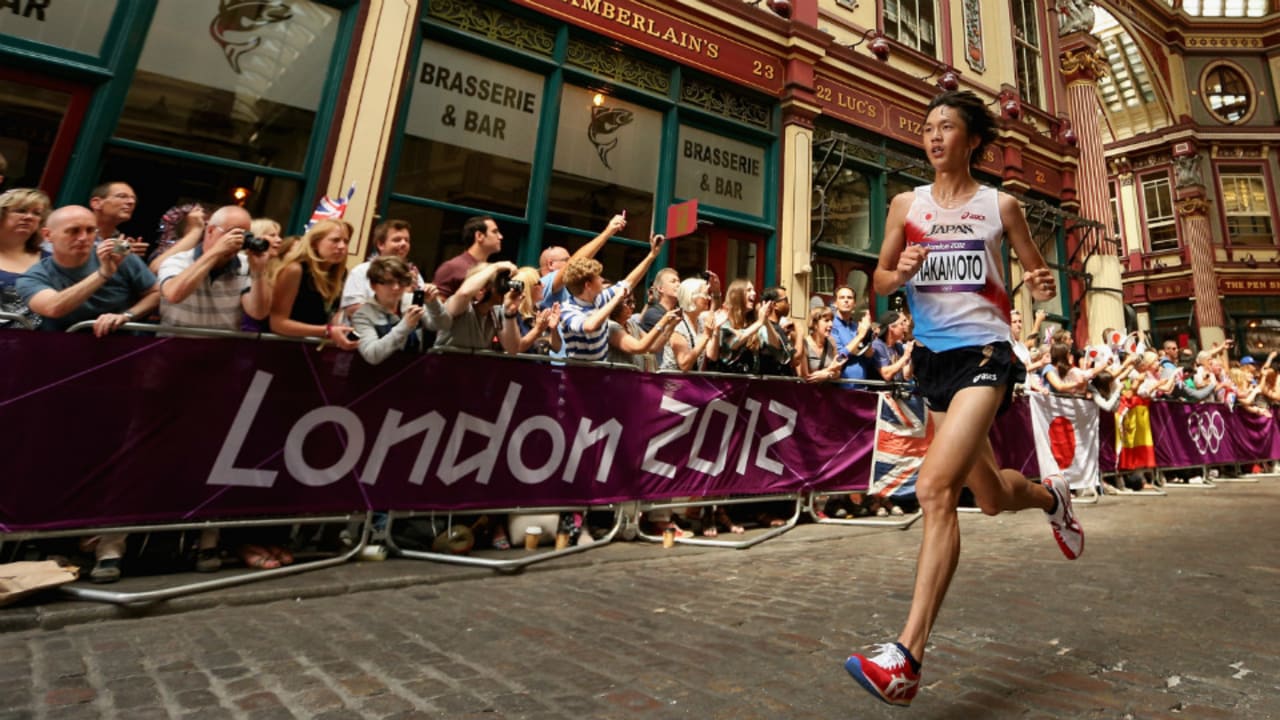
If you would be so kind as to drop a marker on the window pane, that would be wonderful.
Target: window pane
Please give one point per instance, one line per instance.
(247, 90)
(437, 235)
(605, 162)
(29, 121)
(74, 26)
(689, 255)
(471, 131)
(848, 221)
(162, 182)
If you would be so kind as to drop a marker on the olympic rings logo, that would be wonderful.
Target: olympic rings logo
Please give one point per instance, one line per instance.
(1206, 430)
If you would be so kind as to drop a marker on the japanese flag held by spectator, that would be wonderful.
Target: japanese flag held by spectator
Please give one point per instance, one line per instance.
(1066, 434)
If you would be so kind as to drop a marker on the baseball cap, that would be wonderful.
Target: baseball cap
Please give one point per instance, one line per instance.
(1246, 360)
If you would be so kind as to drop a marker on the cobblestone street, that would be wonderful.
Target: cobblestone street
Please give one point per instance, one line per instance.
(1171, 613)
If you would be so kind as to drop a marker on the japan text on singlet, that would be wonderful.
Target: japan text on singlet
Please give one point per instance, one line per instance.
(958, 298)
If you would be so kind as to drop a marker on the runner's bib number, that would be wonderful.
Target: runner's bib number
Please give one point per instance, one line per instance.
(953, 266)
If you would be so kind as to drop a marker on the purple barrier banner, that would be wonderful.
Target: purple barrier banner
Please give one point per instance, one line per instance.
(139, 430)
(1107, 457)
(1211, 434)
(1012, 441)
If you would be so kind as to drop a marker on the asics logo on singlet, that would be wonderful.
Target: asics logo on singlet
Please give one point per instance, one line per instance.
(950, 229)
(983, 377)
(966, 215)
(899, 686)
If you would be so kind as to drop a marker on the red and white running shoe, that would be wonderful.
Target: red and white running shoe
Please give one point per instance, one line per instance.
(892, 675)
(1066, 528)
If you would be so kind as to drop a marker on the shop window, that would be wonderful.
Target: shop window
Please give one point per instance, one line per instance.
(742, 260)
(911, 22)
(824, 279)
(618, 258)
(30, 117)
(1026, 49)
(1162, 225)
(720, 171)
(161, 182)
(80, 27)
(248, 89)
(1173, 320)
(1227, 93)
(1247, 207)
(605, 162)
(848, 212)
(689, 254)
(470, 131)
(436, 235)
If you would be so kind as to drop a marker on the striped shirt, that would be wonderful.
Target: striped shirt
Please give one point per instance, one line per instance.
(578, 343)
(215, 302)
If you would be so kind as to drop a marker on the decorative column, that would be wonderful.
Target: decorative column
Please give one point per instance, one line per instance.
(795, 193)
(1082, 64)
(1192, 207)
(364, 137)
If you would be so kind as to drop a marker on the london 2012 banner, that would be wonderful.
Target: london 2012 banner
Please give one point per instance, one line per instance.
(124, 430)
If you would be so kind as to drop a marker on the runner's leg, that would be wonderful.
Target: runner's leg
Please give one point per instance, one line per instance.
(999, 490)
(958, 435)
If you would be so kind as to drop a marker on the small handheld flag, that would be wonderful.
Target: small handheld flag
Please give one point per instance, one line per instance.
(328, 209)
(682, 219)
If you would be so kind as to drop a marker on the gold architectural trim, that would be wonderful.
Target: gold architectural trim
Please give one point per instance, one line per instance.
(1193, 206)
(1252, 94)
(1084, 64)
(1216, 41)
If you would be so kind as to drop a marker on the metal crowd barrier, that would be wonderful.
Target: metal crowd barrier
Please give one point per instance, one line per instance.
(750, 538)
(15, 317)
(518, 558)
(119, 597)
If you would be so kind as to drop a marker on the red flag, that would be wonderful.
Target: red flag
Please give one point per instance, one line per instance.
(682, 219)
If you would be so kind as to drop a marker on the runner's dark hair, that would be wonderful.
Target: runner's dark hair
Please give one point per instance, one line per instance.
(978, 120)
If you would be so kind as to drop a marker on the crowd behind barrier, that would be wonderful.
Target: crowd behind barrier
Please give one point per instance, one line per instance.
(738, 404)
(283, 431)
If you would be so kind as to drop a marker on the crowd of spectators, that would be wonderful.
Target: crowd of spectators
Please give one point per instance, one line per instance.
(221, 268)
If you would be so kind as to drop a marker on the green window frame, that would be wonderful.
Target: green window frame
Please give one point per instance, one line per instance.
(567, 55)
(118, 63)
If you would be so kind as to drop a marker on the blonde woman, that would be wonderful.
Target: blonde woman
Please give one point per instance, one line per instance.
(268, 230)
(22, 212)
(308, 287)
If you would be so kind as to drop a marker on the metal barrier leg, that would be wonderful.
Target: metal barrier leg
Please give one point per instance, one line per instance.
(217, 583)
(902, 522)
(508, 565)
(745, 542)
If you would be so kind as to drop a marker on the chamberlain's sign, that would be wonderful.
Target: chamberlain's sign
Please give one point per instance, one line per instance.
(71, 25)
(660, 32)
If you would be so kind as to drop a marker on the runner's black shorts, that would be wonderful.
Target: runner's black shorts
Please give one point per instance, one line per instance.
(941, 375)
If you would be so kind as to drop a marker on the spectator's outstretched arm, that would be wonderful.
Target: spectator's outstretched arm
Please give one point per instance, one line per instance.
(257, 302)
(637, 274)
(616, 225)
(651, 340)
(178, 288)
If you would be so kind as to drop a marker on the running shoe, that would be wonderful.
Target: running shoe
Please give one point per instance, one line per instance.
(892, 675)
(1066, 529)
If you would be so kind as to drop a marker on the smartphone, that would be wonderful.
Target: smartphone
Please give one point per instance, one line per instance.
(419, 297)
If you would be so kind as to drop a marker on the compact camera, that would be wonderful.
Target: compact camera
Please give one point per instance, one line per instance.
(255, 244)
(503, 283)
(122, 246)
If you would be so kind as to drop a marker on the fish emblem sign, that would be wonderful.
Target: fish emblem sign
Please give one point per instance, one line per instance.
(243, 16)
(605, 122)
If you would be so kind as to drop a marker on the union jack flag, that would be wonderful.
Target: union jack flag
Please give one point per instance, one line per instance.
(903, 434)
(329, 209)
